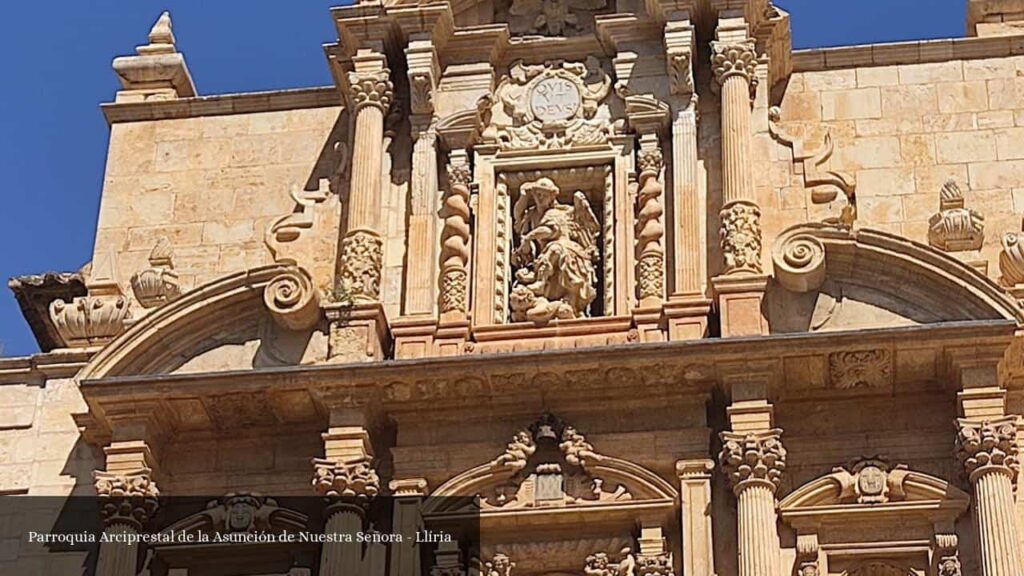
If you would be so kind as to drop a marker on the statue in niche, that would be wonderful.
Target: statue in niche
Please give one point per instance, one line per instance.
(556, 275)
(552, 17)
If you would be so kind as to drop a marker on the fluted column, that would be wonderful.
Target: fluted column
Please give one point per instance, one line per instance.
(754, 463)
(128, 501)
(989, 452)
(733, 63)
(361, 251)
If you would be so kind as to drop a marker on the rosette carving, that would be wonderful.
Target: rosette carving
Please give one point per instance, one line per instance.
(988, 446)
(734, 59)
(741, 237)
(90, 320)
(158, 284)
(799, 261)
(292, 299)
(127, 498)
(355, 484)
(362, 253)
(753, 457)
(455, 238)
(371, 89)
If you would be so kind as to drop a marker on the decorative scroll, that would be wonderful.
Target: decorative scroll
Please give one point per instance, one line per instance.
(799, 261)
(292, 299)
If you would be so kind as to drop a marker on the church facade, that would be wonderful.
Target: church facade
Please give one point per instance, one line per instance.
(657, 293)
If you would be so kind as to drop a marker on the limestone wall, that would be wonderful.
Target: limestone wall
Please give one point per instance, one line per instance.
(211, 185)
(903, 131)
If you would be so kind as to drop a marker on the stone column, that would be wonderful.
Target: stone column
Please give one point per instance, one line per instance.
(128, 500)
(359, 329)
(742, 283)
(455, 238)
(349, 483)
(989, 452)
(753, 463)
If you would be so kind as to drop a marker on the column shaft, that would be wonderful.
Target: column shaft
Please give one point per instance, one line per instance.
(689, 256)
(342, 558)
(997, 531)
(364, 198)
(422, 261)
(736, 138)
(118, 558)
(758, 538)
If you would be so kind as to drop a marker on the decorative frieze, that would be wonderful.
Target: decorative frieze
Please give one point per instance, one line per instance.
(955, 228)
(755, 457)
(371, 88)
(158, 284)
(355, 484)
(362, 254)
(860, 369)
(127, 498)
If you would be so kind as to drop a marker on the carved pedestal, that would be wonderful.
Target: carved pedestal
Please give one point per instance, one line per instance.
(359, 333)
(741, 304)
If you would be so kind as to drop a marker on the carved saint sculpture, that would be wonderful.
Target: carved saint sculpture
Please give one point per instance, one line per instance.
(556, 276)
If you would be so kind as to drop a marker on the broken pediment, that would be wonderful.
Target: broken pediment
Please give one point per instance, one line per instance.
(829, 278)
(551, 465)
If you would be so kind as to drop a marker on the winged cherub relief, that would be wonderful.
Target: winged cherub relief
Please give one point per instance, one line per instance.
(556, 276)
(552, 17)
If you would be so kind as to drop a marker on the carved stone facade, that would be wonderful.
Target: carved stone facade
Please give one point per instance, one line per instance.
(635, 283)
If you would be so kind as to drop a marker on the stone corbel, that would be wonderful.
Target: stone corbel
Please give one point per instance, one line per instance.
(679, 50)
(95, 319)
(158, 72)
(807, 552)
(946, 554)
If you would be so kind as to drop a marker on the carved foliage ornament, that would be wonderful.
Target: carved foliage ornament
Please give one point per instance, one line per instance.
(955, 228)
(988, 446)
(860, 369)
(354, 483)
(362, 254)
(741, 237)
(734, 59)
(1011, 259)
(90, 320)
(553, 105)
(753, 457)
(555, 260)
(371, 89)
(500, 565)
(127, 498)
(158, 284)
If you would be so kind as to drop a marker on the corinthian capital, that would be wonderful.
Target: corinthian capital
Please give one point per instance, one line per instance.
(355, 484)
(988, 446)
(371, 89)
(128, 498)
(733, 59)
(753, 458)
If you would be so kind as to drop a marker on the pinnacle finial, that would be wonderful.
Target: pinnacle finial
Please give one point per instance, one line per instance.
(161, 37)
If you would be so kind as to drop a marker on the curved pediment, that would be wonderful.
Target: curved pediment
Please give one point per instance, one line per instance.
(550, 465)
(241, 513)
(222, 325)
(830, 278)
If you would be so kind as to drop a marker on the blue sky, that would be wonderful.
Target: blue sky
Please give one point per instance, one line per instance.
(57, 71)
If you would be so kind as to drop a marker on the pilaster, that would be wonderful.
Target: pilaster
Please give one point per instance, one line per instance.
(695, 510)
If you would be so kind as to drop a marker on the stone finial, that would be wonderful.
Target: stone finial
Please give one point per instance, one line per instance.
(158, 71)
(158, 284)
(955, 228)
(1011, 258)
(753, 457)
(988, 446)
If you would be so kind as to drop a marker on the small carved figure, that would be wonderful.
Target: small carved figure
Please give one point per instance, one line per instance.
(949, 566)
(599, 564)
(500, 565)
(575, 447)
(556, 276)
(627, 566)
(518, 451)
(809, 569)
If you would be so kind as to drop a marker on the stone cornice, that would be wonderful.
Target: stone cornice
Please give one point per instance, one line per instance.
(597, 372)
(222, 105)
(917, 52)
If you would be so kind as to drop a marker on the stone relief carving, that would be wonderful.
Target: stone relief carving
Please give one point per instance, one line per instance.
(91, 320)
(1011, 258)
(825, 185)
(955, 228)
(353, 483)
(880, 569)
(947, 548)
(242, 513)
(556, 256)
(860, 369)
(290, 227)
(553, 17)
(554, 105)
(292, 299)
(499, 565)
(798, 259)
(741, 237)
(561, 479)
(127, 498)
(158, 284)
(600, 564)
(871, 481)
(982, 446)
(362, 254)
(753, 457)
(455, 237)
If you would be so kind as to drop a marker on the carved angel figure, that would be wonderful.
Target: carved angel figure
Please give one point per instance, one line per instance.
(553, 17)
(556, 275)
(518, 451)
